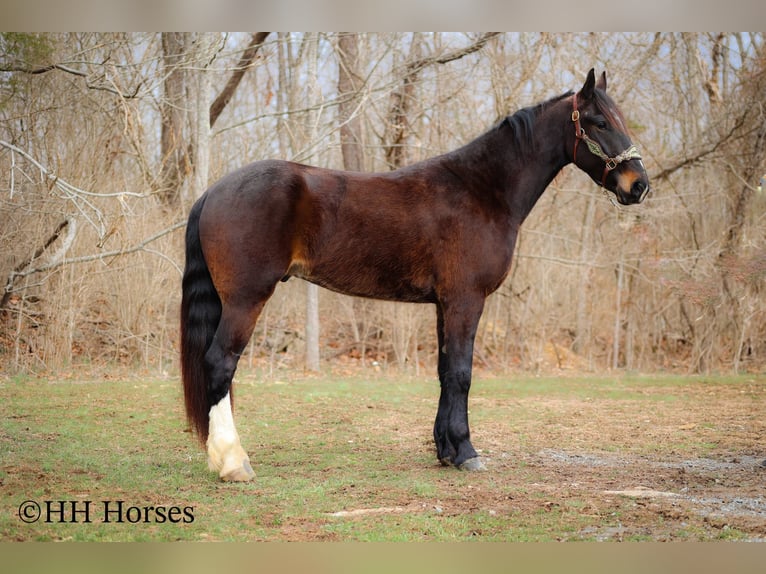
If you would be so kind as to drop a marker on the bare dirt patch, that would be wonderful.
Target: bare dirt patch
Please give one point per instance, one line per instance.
(712, 494)
(651, 461)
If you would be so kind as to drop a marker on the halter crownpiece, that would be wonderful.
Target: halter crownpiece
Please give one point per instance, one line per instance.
(595, 148)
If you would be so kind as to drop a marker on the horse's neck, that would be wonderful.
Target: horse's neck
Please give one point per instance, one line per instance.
(511, 171)
(523, 171)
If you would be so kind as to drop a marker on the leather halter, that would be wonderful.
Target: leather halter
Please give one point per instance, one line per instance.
(593, 146)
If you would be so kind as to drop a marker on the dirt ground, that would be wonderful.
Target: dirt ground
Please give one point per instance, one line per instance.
(682, 464)
(648, 460)
(666, 497)
(685, 500)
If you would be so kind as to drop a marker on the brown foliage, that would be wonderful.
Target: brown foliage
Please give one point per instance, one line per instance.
(676, 283)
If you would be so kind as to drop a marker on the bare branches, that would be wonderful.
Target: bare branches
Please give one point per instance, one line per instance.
(56, 180)
(80, 198)
(89, 82)
(704, 153)
(56, 263)
(19, 269)
(245, 62)
(682, 264)
(83, 201)
(401, 99)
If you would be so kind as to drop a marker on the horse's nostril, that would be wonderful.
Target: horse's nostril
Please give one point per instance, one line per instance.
(639, 189)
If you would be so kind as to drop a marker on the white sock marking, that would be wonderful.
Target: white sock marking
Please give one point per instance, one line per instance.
(222, 428)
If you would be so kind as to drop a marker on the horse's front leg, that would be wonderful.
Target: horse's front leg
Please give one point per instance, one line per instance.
(457, 321)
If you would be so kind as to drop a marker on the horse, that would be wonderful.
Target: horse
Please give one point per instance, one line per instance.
(439, 231)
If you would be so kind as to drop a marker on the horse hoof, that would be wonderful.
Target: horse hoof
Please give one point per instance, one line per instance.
(473, 464)
(240, 474)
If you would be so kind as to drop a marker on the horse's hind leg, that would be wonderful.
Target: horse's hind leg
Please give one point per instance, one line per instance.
(225, 453)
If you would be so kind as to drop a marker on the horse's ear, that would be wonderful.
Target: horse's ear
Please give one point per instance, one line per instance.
(590, 82)
(601, 84)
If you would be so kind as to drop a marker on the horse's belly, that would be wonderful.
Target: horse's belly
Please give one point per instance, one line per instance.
(371, 282)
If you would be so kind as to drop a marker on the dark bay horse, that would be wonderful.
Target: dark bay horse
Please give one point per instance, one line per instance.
(440, 231)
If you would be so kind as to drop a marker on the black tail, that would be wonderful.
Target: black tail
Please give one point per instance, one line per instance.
(200, 314)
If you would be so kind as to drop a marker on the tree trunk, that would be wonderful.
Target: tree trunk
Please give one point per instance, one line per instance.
(349, 83)
(312, 290)
(401, 101)
(174, 109)
(351, 141)
(200, 140)
(186, 111)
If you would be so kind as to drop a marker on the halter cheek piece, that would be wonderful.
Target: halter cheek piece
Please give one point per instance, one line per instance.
(595, 148)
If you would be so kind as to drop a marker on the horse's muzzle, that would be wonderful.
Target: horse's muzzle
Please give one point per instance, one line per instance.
(636, 194)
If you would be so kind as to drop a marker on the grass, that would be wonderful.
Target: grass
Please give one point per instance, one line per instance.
(351, 458)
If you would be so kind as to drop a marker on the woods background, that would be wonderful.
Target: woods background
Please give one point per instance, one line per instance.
(107, 139)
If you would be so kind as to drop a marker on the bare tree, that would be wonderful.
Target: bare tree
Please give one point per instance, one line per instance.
(186, 112)
(245, 62)
(105, 138)
(175, 108)
(397, 125)
(350, 82)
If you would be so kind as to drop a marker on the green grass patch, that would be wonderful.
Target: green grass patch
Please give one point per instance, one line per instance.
(352, 459)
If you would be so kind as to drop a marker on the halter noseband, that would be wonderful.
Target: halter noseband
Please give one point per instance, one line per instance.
(595, 148)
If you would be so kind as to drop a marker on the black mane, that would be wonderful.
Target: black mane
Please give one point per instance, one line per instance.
(522, 122)
(516, 129)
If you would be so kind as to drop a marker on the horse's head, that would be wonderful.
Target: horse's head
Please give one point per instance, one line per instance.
(602, 147)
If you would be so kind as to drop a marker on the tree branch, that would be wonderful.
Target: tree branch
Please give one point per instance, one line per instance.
(78, 197)
(400, 100)
(62, 68)
(140, 246)
(245, 62)
(18, 270)
(668, 171)
(418, 65)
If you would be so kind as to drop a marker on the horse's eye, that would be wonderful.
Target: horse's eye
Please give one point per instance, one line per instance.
(601, 124)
